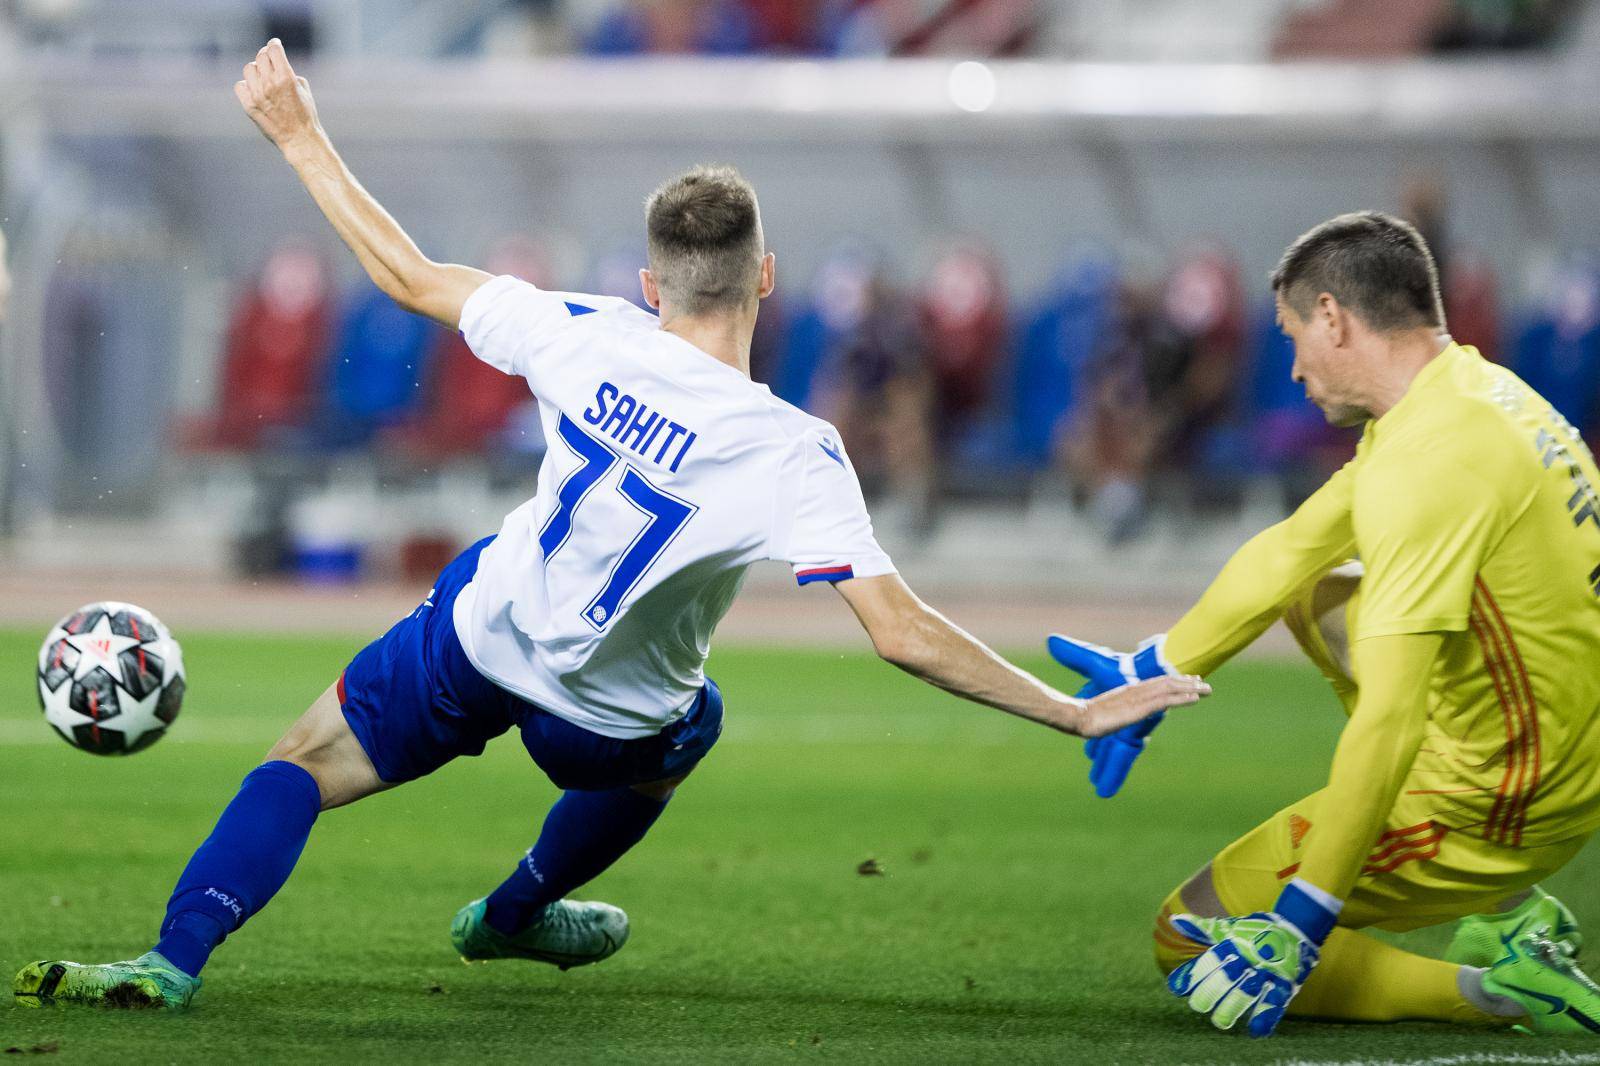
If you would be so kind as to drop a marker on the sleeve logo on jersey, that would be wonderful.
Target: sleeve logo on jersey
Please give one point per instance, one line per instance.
(831, 450)
(632, 424)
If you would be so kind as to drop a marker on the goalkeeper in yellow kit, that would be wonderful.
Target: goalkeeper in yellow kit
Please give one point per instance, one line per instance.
(1447, 582)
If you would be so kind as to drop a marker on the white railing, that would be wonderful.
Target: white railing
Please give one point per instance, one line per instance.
(928, 99)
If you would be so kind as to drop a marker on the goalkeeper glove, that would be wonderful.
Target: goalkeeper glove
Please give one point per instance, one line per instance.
(1111, 756)
(1253, 966)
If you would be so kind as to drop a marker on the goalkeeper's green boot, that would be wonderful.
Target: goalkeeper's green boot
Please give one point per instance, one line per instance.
(148, 981)
(1537, 973)
(1480, 938)
(568, 934)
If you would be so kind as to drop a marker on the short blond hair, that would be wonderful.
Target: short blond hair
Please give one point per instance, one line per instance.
(703, 235)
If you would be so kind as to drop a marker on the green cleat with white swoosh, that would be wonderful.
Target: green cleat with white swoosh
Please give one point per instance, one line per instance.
(1538, 973)
(569, 933)
(1479, 938)
(149, 981)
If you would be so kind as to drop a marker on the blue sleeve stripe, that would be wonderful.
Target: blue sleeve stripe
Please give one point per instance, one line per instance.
(825, 573)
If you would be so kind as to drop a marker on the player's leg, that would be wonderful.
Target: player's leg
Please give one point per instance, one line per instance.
(1361, 978)
(407, 704)
(318, 765)
(1320, 619)
(615, 790)
(243, 863)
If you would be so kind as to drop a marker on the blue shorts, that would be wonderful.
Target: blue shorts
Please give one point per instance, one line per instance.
(415, 701)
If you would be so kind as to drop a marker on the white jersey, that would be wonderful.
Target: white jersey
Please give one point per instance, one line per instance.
(668, 474)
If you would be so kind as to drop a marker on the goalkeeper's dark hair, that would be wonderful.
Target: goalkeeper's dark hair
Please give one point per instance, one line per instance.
(703, 234)
(1376, 265)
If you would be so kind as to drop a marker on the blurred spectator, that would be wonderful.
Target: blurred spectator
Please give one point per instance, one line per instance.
(276, 348)
(1558, 348)
(1483, 25)
(1366, 29)
(1472, 306)
(1160, 393)
(1467, 284)
(1288, 438)
(1423, 203)
(711, 27)
(964, 316)
(877, 391)
(833, 310)
(785, 25)
(1110, 447)
(1205, 304)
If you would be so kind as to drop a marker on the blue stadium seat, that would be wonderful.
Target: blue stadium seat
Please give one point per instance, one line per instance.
(1285, 427)
(805, 347)
(1557, 350)
(1056, 340)
(378, 367)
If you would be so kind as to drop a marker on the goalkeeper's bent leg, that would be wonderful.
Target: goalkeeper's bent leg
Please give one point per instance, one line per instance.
(1359, 978)
(1320, 618)
(1173, 949)
(1362, 979)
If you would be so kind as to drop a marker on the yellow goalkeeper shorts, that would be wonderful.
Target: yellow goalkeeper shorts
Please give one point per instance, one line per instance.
(1417, 875)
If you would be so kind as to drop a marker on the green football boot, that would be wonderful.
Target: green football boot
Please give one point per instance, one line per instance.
(569, 934)
(1537, 973)
(148, 981)
(1480, 938)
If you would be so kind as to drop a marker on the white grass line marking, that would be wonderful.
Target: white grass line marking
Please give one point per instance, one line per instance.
(1486, 1058)
(801, 730)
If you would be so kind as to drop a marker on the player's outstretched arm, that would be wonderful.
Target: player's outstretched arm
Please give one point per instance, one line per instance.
(918, 639)
(280, 105)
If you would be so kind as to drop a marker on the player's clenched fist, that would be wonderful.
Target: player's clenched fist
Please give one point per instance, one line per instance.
(277, 101)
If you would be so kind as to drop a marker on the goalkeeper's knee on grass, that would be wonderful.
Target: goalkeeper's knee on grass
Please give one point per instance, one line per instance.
(1172, 948)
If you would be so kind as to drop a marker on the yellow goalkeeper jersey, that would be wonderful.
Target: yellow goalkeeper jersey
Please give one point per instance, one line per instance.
(1475, 509)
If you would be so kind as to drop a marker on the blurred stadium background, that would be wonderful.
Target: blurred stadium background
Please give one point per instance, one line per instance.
(1022, 252)
(1022, 249)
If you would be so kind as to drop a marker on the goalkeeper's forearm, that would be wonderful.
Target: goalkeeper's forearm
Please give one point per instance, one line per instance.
(1374, 755)
(388, 254)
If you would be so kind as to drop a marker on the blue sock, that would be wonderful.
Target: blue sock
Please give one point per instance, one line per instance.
(242, 864)
(584, 833)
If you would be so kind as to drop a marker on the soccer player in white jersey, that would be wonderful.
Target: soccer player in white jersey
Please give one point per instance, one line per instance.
(586, 621)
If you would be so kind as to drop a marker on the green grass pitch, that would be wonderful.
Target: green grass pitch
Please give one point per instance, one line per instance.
(1011, 923)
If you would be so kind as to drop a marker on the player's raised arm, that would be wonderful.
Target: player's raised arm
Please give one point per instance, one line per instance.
(280, 105)
(918, 639)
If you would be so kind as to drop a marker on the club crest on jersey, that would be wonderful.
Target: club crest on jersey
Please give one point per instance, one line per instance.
(632, 424)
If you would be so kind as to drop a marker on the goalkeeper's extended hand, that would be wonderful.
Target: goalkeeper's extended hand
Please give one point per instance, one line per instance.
(1111, 757)
(1253, 966)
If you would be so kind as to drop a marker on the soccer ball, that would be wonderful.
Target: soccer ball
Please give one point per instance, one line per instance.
(110, 678)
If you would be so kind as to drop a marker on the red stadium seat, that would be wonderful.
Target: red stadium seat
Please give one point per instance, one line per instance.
(469, 402)
(276, 344)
